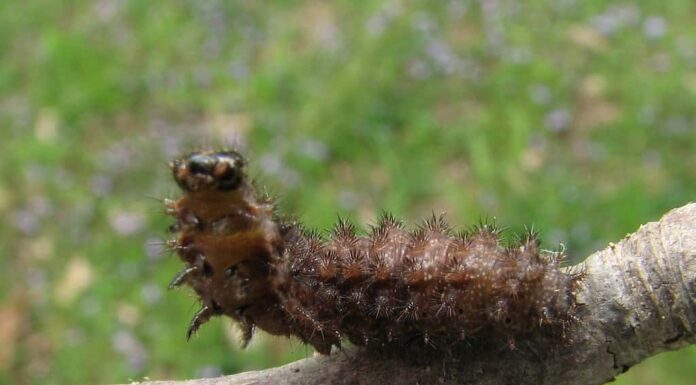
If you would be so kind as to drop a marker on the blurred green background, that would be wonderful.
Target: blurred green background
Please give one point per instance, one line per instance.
(576, 116)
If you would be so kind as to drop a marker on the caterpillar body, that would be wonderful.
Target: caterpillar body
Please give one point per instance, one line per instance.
(390, 287)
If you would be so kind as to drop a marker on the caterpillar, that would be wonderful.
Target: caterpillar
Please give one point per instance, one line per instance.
(390, 287)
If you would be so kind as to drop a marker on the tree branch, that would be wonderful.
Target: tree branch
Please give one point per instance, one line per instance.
(637, 300)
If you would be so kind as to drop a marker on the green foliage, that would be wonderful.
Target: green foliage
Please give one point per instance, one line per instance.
(574, 116)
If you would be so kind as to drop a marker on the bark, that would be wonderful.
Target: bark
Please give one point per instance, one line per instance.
(638, 299)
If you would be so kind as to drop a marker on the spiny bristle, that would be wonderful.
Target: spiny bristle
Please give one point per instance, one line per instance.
(437, 224)
(388, 220)
(385, 224)
(486, 225)
(343, 232)
(265, 197)
(530, 237)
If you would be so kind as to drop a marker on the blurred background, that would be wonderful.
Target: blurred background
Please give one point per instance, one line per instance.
(576, 116)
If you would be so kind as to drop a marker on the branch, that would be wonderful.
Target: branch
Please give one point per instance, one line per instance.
(638, 299)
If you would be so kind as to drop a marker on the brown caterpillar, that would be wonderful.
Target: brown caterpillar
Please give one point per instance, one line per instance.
(389, 288)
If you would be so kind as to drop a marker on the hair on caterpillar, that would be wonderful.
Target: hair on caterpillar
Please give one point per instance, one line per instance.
(389, 288)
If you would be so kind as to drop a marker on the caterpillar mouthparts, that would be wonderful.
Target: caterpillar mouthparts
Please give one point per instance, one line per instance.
(388, 288)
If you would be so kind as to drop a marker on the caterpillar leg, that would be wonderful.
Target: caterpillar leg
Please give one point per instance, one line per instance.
(182, 277)
(199, 319)
(247, 332)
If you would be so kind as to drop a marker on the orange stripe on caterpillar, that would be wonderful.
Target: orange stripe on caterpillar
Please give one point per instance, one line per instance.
(388, 288)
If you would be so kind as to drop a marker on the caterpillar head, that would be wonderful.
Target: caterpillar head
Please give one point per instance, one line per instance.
(201, 171)
(226, 238)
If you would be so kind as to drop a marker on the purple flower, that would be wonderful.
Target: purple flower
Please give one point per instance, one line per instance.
(557, 120)
(654, 27)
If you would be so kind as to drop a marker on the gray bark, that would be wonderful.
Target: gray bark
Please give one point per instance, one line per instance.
(637, 300)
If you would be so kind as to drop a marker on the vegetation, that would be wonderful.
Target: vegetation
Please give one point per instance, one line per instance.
(575, 116)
